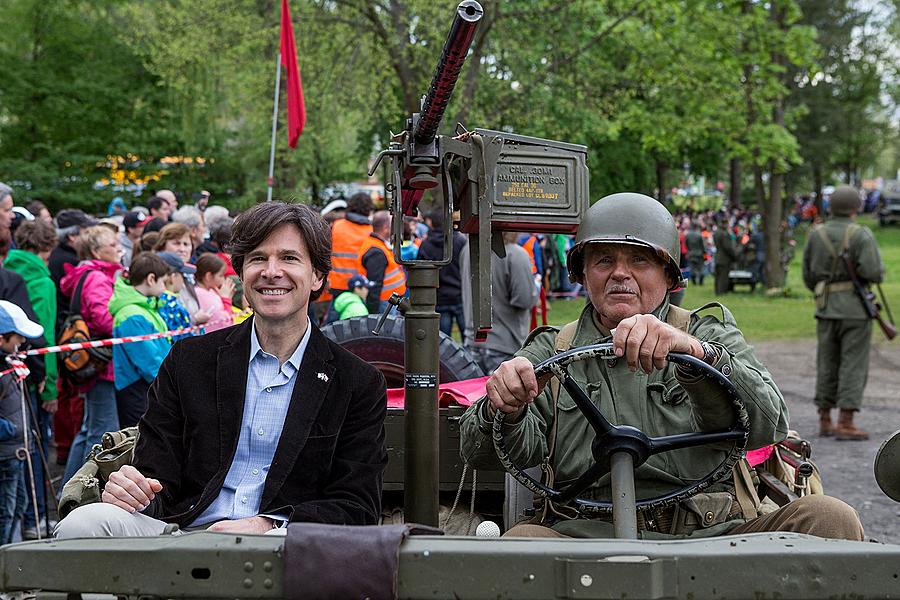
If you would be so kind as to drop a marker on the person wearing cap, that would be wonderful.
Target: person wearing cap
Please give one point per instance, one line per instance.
(95, 277)
(843, 328)
(352, 303)
(69, 223)
(626, 255)
(134, 222)
(15, 328)
(170, 308)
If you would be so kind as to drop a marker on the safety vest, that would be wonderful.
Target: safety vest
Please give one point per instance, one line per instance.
(394, 278)
(529, 248)
(347, 239)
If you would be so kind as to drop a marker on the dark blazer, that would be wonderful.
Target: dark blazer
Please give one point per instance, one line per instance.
(331, 456)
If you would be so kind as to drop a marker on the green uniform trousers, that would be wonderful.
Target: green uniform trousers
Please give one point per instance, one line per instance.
(722, 283)
(842, 362)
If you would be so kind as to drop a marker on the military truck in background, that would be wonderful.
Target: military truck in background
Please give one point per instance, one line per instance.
(889, 205)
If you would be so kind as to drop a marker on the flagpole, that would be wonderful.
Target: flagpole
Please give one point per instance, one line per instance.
(271, 179)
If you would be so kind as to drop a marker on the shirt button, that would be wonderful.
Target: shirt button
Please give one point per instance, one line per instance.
(255, 471)
(244, 500)
(268, 389)
(261, 431)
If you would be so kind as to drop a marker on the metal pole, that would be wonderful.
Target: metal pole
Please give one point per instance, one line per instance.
(28, 465)
(622, 480)
(422, 464)
(271, 179)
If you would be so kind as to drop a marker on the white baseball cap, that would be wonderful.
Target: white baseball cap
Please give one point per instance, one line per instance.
(13, 319)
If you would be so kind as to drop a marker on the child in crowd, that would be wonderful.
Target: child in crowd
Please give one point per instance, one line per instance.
(134, 308)
(352, 303)
(214, 291)
(170, 308)
(15, 328)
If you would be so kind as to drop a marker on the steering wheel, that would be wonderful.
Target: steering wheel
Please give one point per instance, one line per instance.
(609, 438)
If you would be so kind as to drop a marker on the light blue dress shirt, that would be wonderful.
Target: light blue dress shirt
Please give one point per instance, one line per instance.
(266, 401)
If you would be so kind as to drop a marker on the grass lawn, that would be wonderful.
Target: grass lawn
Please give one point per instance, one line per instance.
(785, 317)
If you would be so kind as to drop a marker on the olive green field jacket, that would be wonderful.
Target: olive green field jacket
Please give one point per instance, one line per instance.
(665, 402)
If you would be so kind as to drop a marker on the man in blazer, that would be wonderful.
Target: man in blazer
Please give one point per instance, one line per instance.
(254, 426)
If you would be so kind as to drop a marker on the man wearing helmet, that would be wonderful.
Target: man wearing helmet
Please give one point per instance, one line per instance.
(843, 328)
(626, 256)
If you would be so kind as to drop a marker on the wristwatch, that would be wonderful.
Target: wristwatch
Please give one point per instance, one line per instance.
(710, 356)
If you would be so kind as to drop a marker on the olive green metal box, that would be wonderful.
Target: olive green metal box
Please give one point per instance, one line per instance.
(532, 184)
(451, 463)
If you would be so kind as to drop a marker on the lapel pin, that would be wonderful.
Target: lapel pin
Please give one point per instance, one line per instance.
(323, 376)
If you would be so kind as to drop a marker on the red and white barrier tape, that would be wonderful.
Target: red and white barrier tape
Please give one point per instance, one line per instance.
(111, 342)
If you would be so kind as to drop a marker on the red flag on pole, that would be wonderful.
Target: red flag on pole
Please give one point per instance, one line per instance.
(296, 108)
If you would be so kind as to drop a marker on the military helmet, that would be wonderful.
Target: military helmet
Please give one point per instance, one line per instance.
(628, 218)
(844, 201)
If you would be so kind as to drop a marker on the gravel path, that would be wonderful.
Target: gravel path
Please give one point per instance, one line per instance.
(846, 466)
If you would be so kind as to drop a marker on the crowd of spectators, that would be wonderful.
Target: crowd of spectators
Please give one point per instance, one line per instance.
(149, 269)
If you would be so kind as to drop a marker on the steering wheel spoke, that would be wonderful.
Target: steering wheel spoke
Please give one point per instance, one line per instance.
(571, 491)
(586, 405)
(689, 440)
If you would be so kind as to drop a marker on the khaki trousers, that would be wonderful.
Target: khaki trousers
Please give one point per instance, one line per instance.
(842, 362)
(107, 520)
(818, 515)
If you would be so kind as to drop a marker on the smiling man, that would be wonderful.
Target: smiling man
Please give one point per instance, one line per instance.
(257, 425)
(626, 256)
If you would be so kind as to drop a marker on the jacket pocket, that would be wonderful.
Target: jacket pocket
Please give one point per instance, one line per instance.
(704, 510)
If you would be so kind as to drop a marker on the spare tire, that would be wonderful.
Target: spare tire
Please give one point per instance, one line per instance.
(385, 351)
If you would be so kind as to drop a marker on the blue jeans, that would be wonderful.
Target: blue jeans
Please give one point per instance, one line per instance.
(10, 480)
(450, 313)
(100, 416)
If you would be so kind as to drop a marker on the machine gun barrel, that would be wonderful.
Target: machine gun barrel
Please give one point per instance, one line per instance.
(468, 13)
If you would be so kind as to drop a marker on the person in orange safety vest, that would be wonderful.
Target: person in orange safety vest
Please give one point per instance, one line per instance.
(347, 237)
(379, 264)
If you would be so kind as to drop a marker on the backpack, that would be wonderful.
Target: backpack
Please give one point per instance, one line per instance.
(81, 366)
(115, 450)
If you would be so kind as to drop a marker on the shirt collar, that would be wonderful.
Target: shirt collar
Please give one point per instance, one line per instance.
(295, 359)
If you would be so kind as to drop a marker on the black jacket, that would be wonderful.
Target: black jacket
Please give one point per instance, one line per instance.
(13, 289)
(330, 459)
(61, 256)
(432, 248)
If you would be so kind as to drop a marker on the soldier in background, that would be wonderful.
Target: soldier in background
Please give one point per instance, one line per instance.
(843, 328)
(693, 241)
(726, 255)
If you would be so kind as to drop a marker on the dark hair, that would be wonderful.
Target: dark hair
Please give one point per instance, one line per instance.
(208, 263)
(253, 226)
(35, 207)
(360, 203)
(436, 217)
(148, 240)
(156, 202)
(145, 264)
(220, 233)
(36, 236)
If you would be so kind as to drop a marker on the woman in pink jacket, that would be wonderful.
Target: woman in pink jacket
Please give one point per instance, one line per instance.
(100, 253)
(214, 291)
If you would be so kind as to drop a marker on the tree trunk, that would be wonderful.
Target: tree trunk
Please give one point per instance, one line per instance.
(759, 187)
(772, 212)
(661, 181)
(734, 182)
(772, 215)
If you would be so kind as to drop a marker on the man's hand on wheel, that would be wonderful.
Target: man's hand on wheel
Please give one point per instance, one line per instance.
(645, 342)
(513, 386)
(248, 525)
(128, 489)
